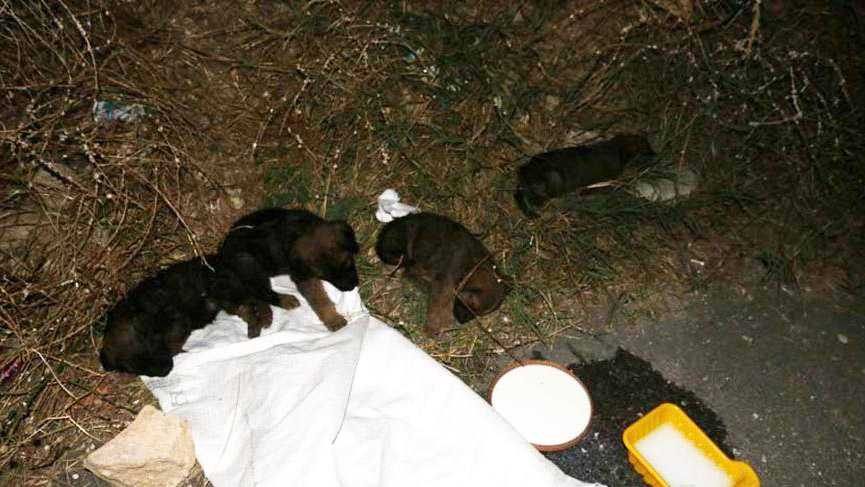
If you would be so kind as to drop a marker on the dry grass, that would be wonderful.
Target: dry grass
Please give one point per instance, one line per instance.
(324, 105)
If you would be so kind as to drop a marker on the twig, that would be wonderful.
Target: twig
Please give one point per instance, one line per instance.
(755, 26)
(794, 95)
(143, 238)
(72, 420)
(190, 235)
(51, 369)
(89, 49)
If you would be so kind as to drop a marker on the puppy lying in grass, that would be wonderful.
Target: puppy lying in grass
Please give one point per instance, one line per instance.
(310, 249)
(558, 172)
(445, 258)
(151, 324)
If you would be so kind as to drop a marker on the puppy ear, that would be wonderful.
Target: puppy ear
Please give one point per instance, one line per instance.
(155, 365)
(299, 268)
(462, 313)
(469, 298)
(392, 243)
(154, 357)
(347, 236)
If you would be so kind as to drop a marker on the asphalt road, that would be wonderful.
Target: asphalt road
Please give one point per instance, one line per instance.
(785, 375)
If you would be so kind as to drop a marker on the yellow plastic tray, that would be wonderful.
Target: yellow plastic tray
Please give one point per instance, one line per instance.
(741, 473)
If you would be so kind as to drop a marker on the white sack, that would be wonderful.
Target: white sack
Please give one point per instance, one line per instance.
(362, 407)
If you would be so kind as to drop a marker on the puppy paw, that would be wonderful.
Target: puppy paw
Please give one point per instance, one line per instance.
(438, 320)
(334, 322)
(288, 301)
(435, 328)
(253, 331)
(257, 316)
(433, 331)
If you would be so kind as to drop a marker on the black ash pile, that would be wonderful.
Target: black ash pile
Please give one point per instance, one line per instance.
(623, 389)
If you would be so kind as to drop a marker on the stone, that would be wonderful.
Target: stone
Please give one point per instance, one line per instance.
(52, 183)
(552, 102)
(235, 200)
(581, 137)
(156, 450)
(19, 229)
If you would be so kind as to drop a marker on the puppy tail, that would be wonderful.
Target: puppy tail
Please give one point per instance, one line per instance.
(392, 242)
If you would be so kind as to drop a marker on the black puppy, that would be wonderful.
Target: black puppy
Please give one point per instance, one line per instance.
(445, 258)
(150, 325)
(562, 171)
(239, 289)
(302, 245)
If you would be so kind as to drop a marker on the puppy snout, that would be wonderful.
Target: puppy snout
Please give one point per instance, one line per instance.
(346, 282)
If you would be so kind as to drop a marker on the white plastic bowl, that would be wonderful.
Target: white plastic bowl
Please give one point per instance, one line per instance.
(544, 402)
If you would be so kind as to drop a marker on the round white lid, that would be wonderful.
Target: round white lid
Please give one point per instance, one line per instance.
(546, 404)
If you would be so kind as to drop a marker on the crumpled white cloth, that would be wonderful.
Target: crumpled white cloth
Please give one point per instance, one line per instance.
(389, 207)
(361, 407)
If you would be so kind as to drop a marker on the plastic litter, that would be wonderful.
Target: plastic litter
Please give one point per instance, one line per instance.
(389, 207)
(680, 183)
(110, 111)
(11, 370)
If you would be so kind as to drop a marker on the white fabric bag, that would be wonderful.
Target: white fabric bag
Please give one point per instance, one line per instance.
(361, 407)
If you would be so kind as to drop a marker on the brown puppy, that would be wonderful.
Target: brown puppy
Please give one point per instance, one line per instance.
(445, 258)
(561, 171)
(302, 245)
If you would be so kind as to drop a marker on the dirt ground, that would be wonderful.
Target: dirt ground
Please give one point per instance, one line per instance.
(133, 134)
